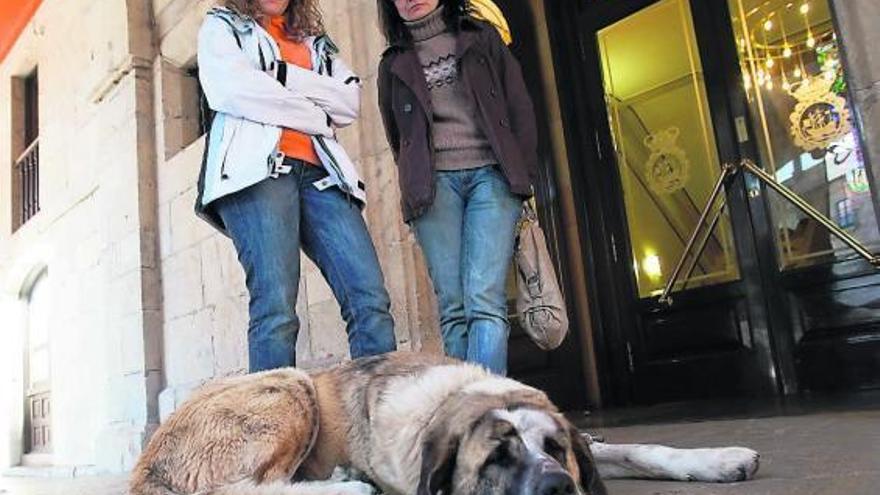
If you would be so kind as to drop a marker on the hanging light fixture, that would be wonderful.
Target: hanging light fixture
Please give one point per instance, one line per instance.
(786, 48)
(786, 86)
(800, 71)
(768, 56)
(805, 10)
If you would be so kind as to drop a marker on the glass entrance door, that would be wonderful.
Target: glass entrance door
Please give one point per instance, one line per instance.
(664, 141)
(659, 89)
(773, 303)
(804, 132)
(800, 110)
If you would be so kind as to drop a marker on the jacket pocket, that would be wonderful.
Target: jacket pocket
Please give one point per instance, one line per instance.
(232, 127)
(247, 156)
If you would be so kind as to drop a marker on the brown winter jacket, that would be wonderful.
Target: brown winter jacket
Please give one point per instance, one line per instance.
(495, 80)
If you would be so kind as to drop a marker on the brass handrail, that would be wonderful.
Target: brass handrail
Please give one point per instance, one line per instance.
(813, 213)
(728, 171)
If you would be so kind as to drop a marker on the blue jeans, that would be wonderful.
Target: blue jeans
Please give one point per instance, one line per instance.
(268, 223)
(467, 236)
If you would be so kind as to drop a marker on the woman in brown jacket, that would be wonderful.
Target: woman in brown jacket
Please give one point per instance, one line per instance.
(461, 126)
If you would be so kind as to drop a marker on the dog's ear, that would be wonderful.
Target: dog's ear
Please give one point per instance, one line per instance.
(438, 464)
(589, 474)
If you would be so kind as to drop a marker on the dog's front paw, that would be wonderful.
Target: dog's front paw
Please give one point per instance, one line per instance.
(341, 473)
(355, 488)
(721, 465)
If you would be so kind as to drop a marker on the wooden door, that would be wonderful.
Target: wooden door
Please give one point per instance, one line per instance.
(38, 399)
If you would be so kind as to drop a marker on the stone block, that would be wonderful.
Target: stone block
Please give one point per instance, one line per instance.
(857, 23)
(178, 27)
(326, 330)
(130, 329)
(867, 102)
(316, 289)
(182, 284)
(114, 390)
(356, 24)
(189, 351)
(134, 399)
(152, 340)
(172, 397)
(371, 129)
(125, 254)
(304, 338)
(222, 274)
(124, 294)
(88, 251)
(119, 445)
(230, 323)
(187, 229)
(350, 137)
(180, 172)
(180, 110)
(164, 219)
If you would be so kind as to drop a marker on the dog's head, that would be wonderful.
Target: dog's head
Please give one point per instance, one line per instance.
(523, 449)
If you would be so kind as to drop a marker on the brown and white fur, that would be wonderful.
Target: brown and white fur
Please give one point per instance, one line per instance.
(411, 423)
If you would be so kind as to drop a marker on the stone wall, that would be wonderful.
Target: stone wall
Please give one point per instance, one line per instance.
(95, 234)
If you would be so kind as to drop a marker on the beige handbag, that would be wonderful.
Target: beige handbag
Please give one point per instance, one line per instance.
(539, 302)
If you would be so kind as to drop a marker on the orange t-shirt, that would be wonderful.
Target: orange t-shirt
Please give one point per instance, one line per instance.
(294, 144)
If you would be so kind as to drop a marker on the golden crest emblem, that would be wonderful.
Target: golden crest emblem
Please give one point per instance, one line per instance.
(820, 116)
(668, 167)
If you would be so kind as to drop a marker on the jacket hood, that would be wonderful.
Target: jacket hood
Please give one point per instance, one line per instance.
(242, 24)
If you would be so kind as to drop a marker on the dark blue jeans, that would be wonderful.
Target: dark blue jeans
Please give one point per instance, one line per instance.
(467, 237)
(269, 222)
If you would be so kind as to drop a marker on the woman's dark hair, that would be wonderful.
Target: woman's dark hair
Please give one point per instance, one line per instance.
(395, 30)
(302, 17)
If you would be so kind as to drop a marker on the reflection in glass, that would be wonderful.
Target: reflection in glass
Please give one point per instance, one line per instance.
(665, 144)
(800, 109)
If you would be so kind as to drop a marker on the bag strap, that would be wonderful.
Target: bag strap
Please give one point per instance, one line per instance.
(529, 214)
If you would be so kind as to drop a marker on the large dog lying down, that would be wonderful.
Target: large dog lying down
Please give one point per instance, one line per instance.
(414, 424)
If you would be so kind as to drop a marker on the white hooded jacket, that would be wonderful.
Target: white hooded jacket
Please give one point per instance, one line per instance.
(255, 94)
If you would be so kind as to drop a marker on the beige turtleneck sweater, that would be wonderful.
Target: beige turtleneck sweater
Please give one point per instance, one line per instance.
(459, 141)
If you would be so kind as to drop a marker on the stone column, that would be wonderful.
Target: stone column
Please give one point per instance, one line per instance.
(859, 33)
(136, 383)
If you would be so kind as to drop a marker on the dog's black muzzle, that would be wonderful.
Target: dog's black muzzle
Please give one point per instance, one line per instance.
(547, 477)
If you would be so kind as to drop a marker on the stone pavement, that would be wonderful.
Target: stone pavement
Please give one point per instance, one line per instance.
(99, 485)
(819, 454)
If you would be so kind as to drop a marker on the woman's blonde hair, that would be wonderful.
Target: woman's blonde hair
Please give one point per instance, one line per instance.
(302, 17)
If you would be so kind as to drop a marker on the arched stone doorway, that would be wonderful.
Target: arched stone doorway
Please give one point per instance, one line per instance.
(37, 435)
